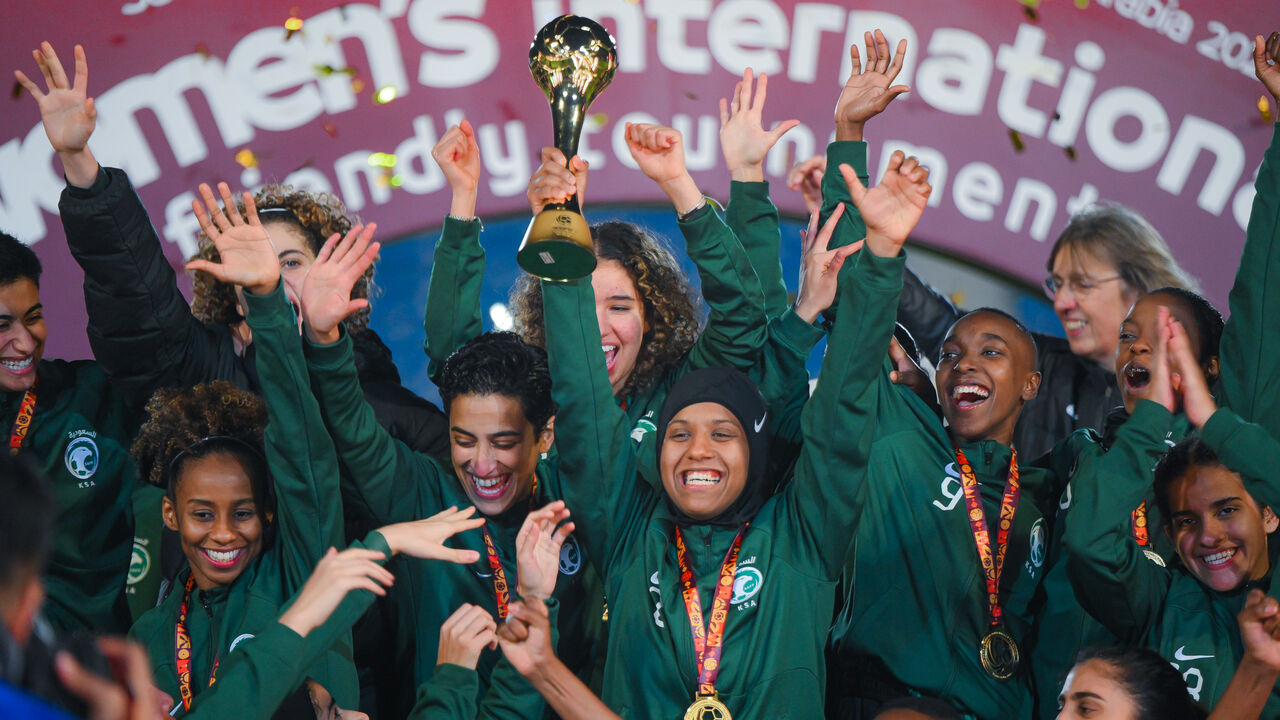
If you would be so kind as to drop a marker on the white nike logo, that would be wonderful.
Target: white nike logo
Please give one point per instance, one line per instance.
(760, 423)
(1181, 655)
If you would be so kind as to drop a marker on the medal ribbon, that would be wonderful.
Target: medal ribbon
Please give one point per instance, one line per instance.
(1140, 532)
(708, 640)
(26, 411)
(992, 568)
(182, 649)
(502, 589)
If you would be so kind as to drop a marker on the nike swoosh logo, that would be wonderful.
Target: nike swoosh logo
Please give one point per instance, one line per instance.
(1181, 655)
(760, 423)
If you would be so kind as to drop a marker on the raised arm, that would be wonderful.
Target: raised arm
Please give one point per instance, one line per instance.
(1250, 379)
(736, 323)
(837, 421)
(592, 432)
(396, 483)
(750, 214)
(457, 267)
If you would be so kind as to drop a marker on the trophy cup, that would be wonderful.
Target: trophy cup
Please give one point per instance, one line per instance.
(572, 59)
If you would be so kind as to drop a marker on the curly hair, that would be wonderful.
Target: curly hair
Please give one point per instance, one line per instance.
(670, 304)
(317, 215)
(500, 363)
(181, 423)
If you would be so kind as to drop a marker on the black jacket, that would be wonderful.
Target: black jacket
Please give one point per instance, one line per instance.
(143, 333)
(1074, 393)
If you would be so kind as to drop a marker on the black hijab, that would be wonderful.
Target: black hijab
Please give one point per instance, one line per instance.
(739, 396)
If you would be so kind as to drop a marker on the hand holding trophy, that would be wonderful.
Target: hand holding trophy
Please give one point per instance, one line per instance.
(572, 59)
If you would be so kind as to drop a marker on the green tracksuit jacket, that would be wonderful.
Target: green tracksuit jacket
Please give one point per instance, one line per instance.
(80, 434)
(733, 337)
(400, 485)
(916, 599)
(1166, 608)
(308, 522)
(772, 664)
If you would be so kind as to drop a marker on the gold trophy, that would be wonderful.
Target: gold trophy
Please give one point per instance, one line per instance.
(572, 59)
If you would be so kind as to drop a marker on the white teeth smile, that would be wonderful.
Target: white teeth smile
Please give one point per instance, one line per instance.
(490, 487)
(701, 478)
(610, 355)
(1218, 559)
(1073, 324)
(18, 365)
(223, 557)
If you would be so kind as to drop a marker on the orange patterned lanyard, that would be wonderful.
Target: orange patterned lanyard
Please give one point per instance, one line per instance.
(182, 643)
(992, 567)
(501, 589)
(708, 640)
(26, 411)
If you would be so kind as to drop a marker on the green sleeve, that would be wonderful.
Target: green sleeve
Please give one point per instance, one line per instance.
(1248, 449)
(450, 694)
(304, 465)
(851, 228)
(396, 483)
(510, 695)
(783, 373)
(1112, 577)
(736, 321)
(753, 218)
(453, 292)
(838, 421)
(601, 486)
(266, 669)
(1250, 379)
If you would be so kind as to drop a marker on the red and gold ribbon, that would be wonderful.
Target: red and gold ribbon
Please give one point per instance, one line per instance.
(21, 424)
(182, 649)
(708, 640)
(992, 567)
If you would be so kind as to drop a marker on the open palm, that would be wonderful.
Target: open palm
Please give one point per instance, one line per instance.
(246, 255)
(892, 208)
(66, 110)
(868, 90)
(538, 549)
(326, 292)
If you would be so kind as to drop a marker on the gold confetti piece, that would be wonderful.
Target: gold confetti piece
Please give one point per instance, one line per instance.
(385, 94)
(690, 95)
(958, 297)
(331, 129)
(1264, 107)
(396, 181)
(293, 23)
(1016, 137)
(246, 158)
(203, 50)
(17, 90)
(381, 159)
(1071, 152)
(1082, 4)
(327, 70)
(1030, 12)
(357, 85)
(599, 120)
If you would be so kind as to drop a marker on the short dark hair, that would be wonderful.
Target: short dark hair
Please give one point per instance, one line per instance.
(17, 261)
(1035, 360)
(930, 706)
(500, 363)
(1156, 688)
(1188, 453)
(26, 517)
(1208, 321)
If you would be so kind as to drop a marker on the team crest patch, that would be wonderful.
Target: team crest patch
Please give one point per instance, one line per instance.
(1036, 554)
(81, 457)
(643, 426)
(139, 564)
(746, 584)
(1153, 556)
(570, 556)
(238, 640)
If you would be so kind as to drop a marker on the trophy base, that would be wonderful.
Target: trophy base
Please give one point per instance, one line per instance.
(557, 246)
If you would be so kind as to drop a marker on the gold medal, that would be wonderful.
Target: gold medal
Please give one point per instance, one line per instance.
(999, 654)
(707, 707)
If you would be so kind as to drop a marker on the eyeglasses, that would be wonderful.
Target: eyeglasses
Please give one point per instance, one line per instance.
(1079, 286)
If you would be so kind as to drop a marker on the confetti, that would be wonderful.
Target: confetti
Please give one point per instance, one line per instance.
(385, 94)
(1264, 107)
(1071, 152)
(396, 181)
(331, 129)
(357, 85)
(1016, 137)
(958, 297)
(381, 159)
(1030, 12)
(17, 90)
(599, 120)
(327, 70)
(246, 158)
(690, 95)
(203, 51)
(291, 26)
(1082, 4)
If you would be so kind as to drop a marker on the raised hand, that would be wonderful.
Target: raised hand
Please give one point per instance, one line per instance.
(1268, 72)
(526, 636)
(326, 291)
(869, 89)
(743, 139)
(458, 156)
(806, 176)
(67, 112)
(555, 180)
(465, 634)
(659, 151)
(820, 267)
(538, 549)
(1187, 376)
(1160, 387)
(248, 258)
(424, 539)
(337, 574)
(892, 208)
